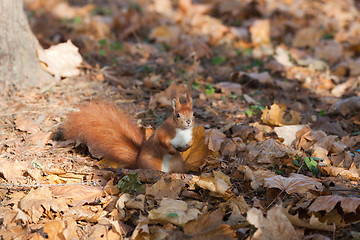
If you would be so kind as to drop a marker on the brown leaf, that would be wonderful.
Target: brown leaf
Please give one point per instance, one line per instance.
(328, 203)
(196, 156)
(217, 183)
(209, 227)
(306, 37)
(313, 223)
(276, 116)
(40, 138)
(230, 87)
(27, 124)
(215, 138)
(55, 229)
(38, 201)
(12, 170)
(77, 194)
(274, 227)
(296, 183)
(165, 188)
(163, 99)
(345, 106)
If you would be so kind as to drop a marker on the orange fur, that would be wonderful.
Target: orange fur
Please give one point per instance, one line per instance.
(110, 134)
(106, 131)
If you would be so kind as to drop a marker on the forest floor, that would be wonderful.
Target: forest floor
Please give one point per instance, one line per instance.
(276, 93)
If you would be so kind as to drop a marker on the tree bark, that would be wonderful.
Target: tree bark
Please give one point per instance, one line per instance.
(19, 65)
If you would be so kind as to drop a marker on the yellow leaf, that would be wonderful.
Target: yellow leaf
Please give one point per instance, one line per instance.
(276, 116)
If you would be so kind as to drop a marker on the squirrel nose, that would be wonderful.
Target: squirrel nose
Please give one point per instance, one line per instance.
(188, 121)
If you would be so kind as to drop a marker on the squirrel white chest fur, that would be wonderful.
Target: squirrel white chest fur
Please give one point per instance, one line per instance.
(182, 138)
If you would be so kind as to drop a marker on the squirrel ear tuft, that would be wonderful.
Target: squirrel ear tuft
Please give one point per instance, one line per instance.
(188, 97)
(173, 103)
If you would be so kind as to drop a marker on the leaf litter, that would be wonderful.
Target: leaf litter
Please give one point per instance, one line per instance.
(276, 96)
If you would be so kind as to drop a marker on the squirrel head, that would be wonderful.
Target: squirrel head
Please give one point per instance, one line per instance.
(183, 115)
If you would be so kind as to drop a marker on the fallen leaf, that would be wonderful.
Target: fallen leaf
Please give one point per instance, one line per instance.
(295, 183)
(196, 156)
(260, 32)
(276, 116)
(54, 229)
(163, 99)
(12, 170)
(345, 106)
(274, 227)
(217, 183)
(288, 133)
(328, 203)
(38, 201)
(307, 37)
(230, 87)
(27, 124)
(61, 60)
(283, 57)
(313, 223)
(166, 34)
(165, 188)
(173, 211)
(215, 139)
(209, 227)
(77, 195)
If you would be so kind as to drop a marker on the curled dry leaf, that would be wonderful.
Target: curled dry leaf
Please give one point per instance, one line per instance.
(173, 211)
(196, 156)
(61, 60)
(339, 171)
(288, 133)
(328, 203)
(230, 87)
(217, 183)
(165, 188)
(215, 139)
(274, 227)
(296, 183)
(195, 47)
(38, 201)
(277, 113)
(209, 227)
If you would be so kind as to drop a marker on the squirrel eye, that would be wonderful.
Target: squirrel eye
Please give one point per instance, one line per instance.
(194, 114)
(178, 115)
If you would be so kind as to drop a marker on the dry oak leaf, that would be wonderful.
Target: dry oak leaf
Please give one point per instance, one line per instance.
(38, 201)
(217, 183)
(215, 138)
(328, 203)
(238, 205)
(313, 223)
(339, 171)
(77, 195)
(61, 60)
(173, 211)
(269, 152)
(141, 232)
(11, 170)
(165, 188)
(276, 116)
(275, 226)
(80, 213)
(196, 156)
(55, 229)
(14, 217)
(209, 227)
(295, 183)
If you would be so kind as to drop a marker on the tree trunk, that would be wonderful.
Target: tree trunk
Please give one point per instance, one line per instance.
(19, 65)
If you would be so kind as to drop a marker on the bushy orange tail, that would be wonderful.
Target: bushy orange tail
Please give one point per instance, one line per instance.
(106, 131)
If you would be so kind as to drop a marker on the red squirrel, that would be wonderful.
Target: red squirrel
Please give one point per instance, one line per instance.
(111, 134)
